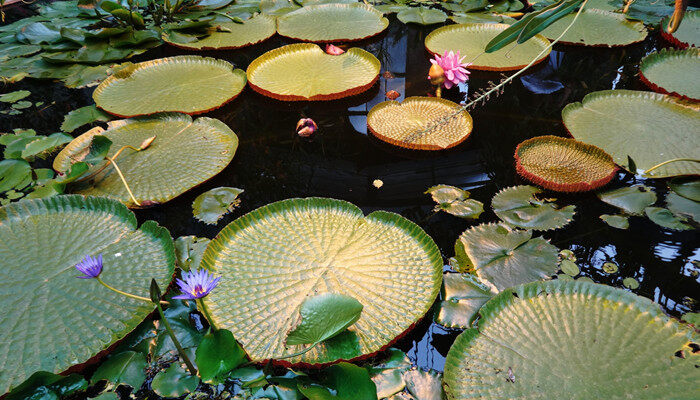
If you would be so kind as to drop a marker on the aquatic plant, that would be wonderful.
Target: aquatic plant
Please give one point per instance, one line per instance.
(667, 71)
(210, 206)
(196, 284)
(453, 68)
(226, 35)
(333, 22)
(463, 294)
(527, 207)
(597, 28)
(306, 127)
(686, 33)
(90, 267)
(455, 201)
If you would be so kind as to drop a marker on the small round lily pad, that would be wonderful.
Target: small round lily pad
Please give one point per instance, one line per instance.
(667, 71)
(471, 39)
(413, 123)
(597, 28)
(688, 32)
(304, 72)
(332, 22)
(525, 207)
(563, 165)
(187, 84)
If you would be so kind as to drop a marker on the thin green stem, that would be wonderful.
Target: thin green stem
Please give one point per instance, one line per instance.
(668, 162)
(121, 176)
(114, 157)
(176, 342)
(203, 310)
(133, 296)
(306, 350)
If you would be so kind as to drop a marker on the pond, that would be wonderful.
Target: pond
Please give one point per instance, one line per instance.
(343, 161)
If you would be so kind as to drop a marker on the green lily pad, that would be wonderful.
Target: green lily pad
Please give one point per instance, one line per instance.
(126, 368)
(463, 295)
(455, 201)
(421, 16)
(630, 199)
(616, 221)
(189, 84)
(45, 385)
(481, 18)
(630, 283)
(569, 267)
(667, 71)
(682, 207)
(688, 32)
(686, 186)
(217, 355)
(35, 273)
(471, 40)
(324, 316)
(626, 123)
(524, 207)
(332, 23)
(12, 97)
(305, 72)
(81, 116)
(597, 28)
(213, 204)
(189, 251)
(184, 154)
(275, 257)
(504, 257)
(174, 382)
(531, 339)
(666, 219)
(227, 35)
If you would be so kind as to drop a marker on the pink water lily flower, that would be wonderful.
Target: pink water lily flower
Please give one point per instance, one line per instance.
(455, 70)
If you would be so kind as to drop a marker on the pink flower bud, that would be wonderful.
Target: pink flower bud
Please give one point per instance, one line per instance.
(306, 127)
(392, 95)
(334, 50)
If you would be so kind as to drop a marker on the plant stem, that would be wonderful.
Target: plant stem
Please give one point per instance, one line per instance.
(121, 176)
(176, 342)
(114, 157)
(306, 350)
(668, 162)
(205, 312)
(133, 296)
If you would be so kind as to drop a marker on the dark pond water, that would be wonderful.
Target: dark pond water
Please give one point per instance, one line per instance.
(342, 161)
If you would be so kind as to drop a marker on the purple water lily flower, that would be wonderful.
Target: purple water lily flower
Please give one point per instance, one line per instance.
(91, 267)
(196, 284)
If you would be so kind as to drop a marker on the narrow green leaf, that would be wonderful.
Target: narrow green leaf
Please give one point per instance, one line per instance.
(217, 355)
(511, 34)
(155, 291)
(323, 317)
(543, 20)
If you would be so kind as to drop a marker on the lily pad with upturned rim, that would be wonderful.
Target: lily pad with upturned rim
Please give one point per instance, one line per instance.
(334, 22)
(563, 165)
(304, 72)
(279, 255)
(556, 339)
(626, 123)
(471, 39)
(184, 154)
(688, 32)
(187, 84)
(670, 71)
(400, 123)
(521, 206)
(229, 35)
(41, 242)
(597, 28)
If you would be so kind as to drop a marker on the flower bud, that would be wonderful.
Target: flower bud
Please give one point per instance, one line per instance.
(147, 142)
(334, 50)
(392, 95)
(306, 127)
(436, 74)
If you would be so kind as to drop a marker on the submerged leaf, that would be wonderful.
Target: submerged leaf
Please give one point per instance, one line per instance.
(324, 316)
(210, 206)
(522, 207)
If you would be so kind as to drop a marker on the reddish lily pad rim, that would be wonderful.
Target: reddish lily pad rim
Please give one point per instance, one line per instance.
(563, 187)
(653, 57)
(412, 146)
(318, 97)
(669, 36)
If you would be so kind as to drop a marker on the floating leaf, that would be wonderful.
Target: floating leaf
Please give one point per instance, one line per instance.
(423, 385)
(210, 206)
(569, 267)
(630, 283)
(45, 385)
(463, 295)
(610, 268)
(14, 174)
(532, 335)
(305, 72)
(84, 115)
(189, 84)
(272, 259)
(348, 382)
(189, 251)
(471, 39)
(132, 256)
(597, 28)
(174, 381)
(682, 207)
(217, 355)
(12, 97)
(627, 123)
(563, 165)
(667, 71)
(455, 201)
(523, 207)
(630, 199)
(422, 16)
(125, 368)
(387, 374)
(687, 33)
(171, 165)
(665, 219)
(332, 23)
(686, 186)
(505, 257)
(227, 35)
(691, 318)
(403, 124)
(43, 145)
(324, 316)
(616, 221)
(480, 18)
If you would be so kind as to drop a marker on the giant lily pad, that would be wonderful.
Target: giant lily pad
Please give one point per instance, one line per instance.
(667, 71)
(184, 154)
(413, 123)
(688, 32)
(525, 207)
(504, 257)
(226, 35)
(563, 165)
(51, 320)
(332, 22)
(189, 84)
(471, 39)
(277, 256)
(626, 123)
(597, 28)
(305, 72)
(565, 340)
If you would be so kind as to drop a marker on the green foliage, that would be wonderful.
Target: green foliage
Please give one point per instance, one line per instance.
(630, 199)
(47, 386)
(666, 219)
(126, 368)
(210, 206)
(81, 116)
(463, 295)
(616, 221)
(189, 251)
(525, 207)
(323, 317)
(686, 186)
(347, 381)
(174, 382)
(12, 97)
(455, 201)
(422, 16)
(217, 355)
